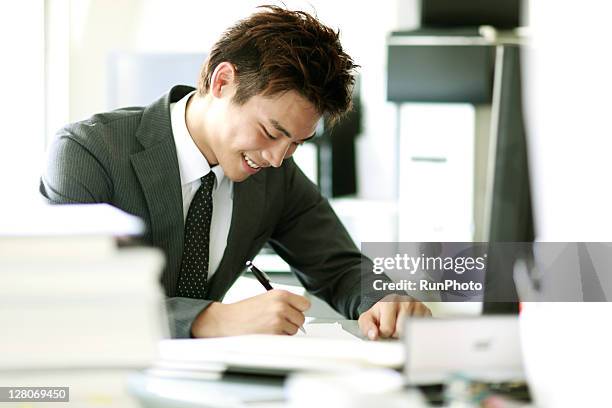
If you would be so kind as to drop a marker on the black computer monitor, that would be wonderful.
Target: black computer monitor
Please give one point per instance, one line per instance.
(511, 217)
(458, 13)
(336, 153)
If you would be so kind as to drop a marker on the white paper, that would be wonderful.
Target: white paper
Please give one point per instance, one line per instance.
(245, 288)
(289, 353)
(326, 331)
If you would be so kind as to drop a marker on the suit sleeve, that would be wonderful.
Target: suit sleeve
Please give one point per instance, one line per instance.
(181, 314)
(311, 238)
(74, 174)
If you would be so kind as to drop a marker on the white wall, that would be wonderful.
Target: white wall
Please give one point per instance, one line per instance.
(22, 103)
(98, 27)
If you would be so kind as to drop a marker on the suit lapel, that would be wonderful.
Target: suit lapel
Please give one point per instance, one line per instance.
(247, 212)
(157, 170)
(160, 183)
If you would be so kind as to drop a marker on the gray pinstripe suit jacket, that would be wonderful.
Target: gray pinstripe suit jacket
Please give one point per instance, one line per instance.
(127, 158)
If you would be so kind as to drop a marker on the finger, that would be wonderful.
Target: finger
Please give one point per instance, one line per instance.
(427, 311)
(294, 316)
(388, 317)
(278, 323)
(368, 324)
(289, 327)
(296, 301)
(421, 310)
(400, 322)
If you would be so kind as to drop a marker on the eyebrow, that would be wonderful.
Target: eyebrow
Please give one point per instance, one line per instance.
(284, 131)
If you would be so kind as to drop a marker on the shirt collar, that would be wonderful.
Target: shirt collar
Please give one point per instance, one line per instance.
(192, 163)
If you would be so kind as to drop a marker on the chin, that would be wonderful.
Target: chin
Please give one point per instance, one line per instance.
(235, 174)
(237, 178)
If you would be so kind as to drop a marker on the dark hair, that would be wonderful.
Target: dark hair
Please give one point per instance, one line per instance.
(277, 50)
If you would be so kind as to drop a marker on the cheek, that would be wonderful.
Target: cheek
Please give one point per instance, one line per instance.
(291, 150)
(249, 138)
(232, 138)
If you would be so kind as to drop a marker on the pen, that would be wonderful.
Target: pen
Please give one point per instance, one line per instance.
(263, 278)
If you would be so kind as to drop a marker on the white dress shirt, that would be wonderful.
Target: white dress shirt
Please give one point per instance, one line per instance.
(193, 166)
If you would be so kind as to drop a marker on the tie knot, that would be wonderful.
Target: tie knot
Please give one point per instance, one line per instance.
(208, 180)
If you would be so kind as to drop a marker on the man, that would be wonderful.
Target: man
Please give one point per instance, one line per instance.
(209, 170)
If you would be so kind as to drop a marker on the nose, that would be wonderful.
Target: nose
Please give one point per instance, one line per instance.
(276, 154)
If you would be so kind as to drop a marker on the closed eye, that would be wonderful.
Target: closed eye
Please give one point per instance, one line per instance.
(271, 137)
(268, 133)
(301, 142)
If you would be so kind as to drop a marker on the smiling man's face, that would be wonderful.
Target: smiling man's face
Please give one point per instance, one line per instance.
(245, 139)
(263, 132)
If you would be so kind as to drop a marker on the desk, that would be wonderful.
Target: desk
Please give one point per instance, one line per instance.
(217, 391)
(225, 391)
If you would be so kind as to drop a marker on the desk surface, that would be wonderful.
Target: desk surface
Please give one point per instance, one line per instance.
(228, 391)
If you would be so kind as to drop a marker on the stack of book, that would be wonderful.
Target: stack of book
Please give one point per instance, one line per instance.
(70, 297)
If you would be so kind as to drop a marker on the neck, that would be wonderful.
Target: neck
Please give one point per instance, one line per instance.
(198, 127)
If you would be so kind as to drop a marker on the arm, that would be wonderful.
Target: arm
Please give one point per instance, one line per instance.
(311, 238)
(182, 312)
(74, 174)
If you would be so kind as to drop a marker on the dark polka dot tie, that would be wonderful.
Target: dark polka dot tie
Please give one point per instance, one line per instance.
(194, 265)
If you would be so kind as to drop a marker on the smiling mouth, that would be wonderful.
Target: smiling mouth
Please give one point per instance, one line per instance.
(250, 162)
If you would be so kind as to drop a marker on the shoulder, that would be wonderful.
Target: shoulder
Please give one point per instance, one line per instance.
(107, 136)
(279, 178)
(289, 181)
(104, 127)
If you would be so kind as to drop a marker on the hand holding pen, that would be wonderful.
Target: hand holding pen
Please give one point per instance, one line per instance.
(272, 312)
(263, 278)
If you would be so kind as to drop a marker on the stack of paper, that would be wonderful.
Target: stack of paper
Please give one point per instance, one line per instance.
(69, 297)
(273, 354)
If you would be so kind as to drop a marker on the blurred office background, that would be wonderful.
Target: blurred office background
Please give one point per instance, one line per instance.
(436, 147)
(68, 59)
(60, 50)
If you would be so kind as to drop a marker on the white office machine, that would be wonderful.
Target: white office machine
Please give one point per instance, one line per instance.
(484, 348)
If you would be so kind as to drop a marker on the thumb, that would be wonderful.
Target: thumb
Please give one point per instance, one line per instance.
(368, 325)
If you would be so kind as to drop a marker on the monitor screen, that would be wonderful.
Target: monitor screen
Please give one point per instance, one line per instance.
(510, 218)
(453, 13)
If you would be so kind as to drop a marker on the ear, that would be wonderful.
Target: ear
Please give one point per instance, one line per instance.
(222, 81)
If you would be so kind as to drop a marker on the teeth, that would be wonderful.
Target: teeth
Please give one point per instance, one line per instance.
(250, 162)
